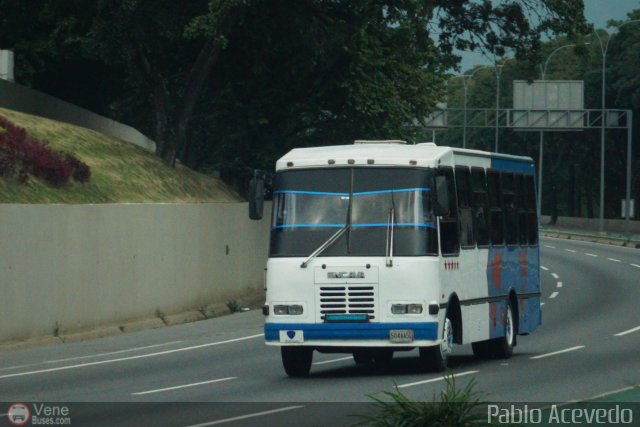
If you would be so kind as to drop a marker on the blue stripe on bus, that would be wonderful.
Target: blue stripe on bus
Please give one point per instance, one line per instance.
(362, 193)
(351, 331)
(402, 190)
(401, 224)
(315, 193)
(512, 165)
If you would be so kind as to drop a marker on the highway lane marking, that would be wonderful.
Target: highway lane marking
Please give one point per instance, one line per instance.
(614, 260)
(244, 417)
(333, 360)
(593, 255)
(636, 265)
(183, 386)
(627, 331)
(555, 276)
(549, 246)
(559, 285)
(553, 295)
(566, 350)
(89, 356)
(121, 359)
(433, 380)
(544, 268)
(570, 250)
(109, 353)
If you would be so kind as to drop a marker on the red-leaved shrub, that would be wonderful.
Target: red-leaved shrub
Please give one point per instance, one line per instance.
(20, 153)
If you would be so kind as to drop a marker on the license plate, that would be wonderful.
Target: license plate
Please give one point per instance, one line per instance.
(401, 335)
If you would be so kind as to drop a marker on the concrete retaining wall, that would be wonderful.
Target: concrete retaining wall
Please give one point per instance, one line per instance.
(88, 266)
(26, 100)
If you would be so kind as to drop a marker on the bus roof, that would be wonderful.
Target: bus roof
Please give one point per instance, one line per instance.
(383, 154)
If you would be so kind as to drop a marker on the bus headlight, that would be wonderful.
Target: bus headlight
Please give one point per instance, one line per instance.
(399, 309)
(414, 308)
(291, 310)
(406, 309)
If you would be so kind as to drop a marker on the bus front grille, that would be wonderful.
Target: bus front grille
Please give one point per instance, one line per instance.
(347, 299)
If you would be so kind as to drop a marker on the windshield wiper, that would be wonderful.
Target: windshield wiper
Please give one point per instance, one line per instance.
(390, 227)
(325, 245)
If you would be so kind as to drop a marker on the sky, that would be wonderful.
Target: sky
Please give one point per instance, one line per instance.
(597, 12)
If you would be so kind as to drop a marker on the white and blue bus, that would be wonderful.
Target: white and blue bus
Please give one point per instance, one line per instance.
(382, 246)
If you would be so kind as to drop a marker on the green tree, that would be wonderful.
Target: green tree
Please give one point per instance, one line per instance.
(237, 82)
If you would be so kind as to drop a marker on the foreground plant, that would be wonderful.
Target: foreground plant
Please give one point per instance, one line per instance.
(453, 407)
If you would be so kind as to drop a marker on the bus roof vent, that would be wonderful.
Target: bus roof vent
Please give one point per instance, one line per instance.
(379, 141)
(431, 144)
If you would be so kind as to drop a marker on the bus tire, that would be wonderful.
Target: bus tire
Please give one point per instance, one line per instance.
(502, 348)
(435, 358)
(362, 357)
(296, 360)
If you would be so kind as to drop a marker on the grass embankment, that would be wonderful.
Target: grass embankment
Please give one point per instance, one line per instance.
(120, 171)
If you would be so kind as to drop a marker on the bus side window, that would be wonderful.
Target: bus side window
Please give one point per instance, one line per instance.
(465, 213)
(510, 209)
(449, 223)
(532, 215)
(496, 217)
(480, 206)
(522, 210)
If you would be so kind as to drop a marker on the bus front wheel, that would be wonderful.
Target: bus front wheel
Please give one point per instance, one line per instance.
(435, 358)
(296, 360)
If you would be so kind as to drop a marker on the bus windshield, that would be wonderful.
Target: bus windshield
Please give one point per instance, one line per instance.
(311, 205)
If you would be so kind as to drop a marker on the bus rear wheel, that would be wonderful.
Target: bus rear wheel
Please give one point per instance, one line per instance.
(499, 348)
(502, 348)
(296, 360)
(435, 358)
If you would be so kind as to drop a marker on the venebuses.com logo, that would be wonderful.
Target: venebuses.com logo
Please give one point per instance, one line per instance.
(18, 414)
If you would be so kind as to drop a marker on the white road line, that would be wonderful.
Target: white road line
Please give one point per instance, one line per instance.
(614, 260)
(559, 284)
(553, 295)
(549, 246)
(333, 360)
(593, 255)
(544, 268)
(555, 276)
(628, 331)
(182, 386)
(566, 350)
(433, 380)
(109, 353)
(570, 250)
(244, 417)
(636, 265)
(141, 356)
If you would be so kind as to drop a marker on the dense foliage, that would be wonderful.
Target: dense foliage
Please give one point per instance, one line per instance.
(571, 176)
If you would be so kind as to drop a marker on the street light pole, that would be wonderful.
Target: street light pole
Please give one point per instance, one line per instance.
(603, 49)
(498, 74)
(465, 87)
(543, 73)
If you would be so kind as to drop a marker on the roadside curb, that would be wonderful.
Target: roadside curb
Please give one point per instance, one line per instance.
(607, 240)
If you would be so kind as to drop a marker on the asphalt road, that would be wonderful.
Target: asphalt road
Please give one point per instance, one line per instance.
(219, 372)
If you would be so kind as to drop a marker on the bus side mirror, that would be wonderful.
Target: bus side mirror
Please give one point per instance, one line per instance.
(441, 207)
(257, 193)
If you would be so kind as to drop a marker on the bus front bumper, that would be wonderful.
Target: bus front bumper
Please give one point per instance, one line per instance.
(352, 334)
